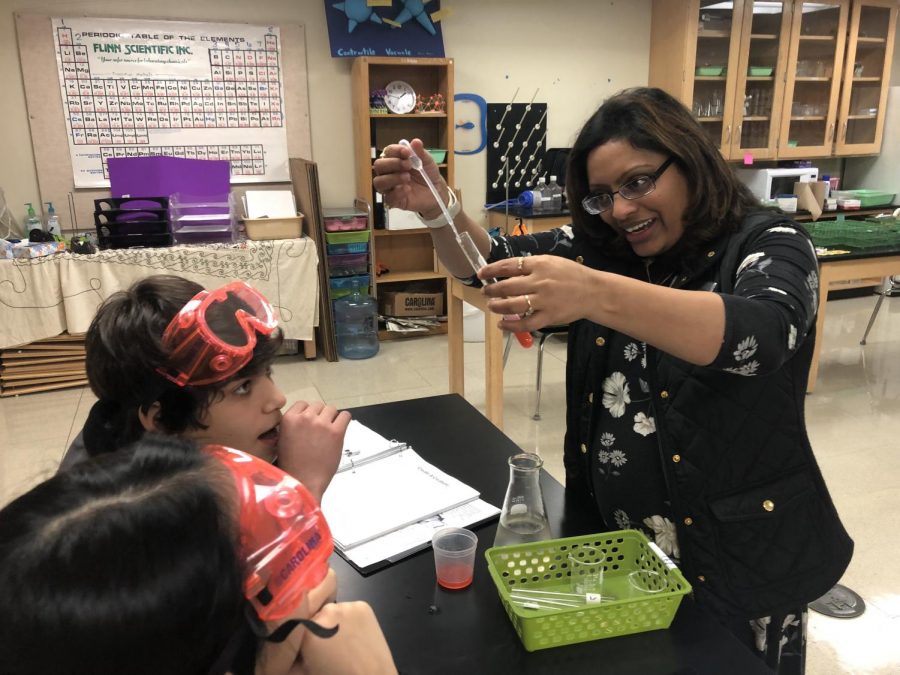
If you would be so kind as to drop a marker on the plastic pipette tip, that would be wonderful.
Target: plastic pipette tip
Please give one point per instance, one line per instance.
(414, 159)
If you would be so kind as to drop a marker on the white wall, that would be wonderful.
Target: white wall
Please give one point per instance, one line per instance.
(576, 53)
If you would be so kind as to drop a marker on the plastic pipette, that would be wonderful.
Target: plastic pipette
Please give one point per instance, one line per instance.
(466, 245)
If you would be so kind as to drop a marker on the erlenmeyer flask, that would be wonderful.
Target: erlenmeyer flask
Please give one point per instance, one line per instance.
(524, 516)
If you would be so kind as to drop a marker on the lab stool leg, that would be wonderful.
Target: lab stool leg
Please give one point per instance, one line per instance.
(887, 288)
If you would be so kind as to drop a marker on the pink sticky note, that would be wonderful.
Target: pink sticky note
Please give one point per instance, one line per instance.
(748, 158)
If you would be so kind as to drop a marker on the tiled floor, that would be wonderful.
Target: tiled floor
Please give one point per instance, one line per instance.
(853, 419)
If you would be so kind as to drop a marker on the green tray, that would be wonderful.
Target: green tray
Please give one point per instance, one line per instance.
(855, 234)
(760, 71)
(543, 565)
(867, 198)
(708, 71)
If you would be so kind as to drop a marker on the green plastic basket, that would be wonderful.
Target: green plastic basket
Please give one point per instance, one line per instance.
(855, 234)
(543, 565)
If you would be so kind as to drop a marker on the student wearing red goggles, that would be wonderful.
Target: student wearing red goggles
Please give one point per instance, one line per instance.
(163, 559)
(168, 356)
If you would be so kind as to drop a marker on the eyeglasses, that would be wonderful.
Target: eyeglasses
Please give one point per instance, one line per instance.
(284, 538)
(637, 187)
(202, 354)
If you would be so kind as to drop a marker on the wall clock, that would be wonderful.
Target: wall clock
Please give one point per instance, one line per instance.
(400, 97)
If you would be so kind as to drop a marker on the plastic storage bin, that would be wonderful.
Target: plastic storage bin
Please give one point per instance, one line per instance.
(348, 265)
(342, 249)
(543, 565)
(202, 219)
(361, 237)
(346, 243)
(867, 198)
(273, 228)
(127, 222)
(343, 220)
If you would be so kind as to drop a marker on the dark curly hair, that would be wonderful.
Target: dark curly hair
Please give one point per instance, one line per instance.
(650, 119)
(124, 349)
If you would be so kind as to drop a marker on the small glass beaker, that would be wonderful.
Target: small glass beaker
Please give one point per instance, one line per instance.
(646, 582)
(524, 515)
(586, 570)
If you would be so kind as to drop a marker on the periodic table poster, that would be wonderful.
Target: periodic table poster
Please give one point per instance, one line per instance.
(135, 88)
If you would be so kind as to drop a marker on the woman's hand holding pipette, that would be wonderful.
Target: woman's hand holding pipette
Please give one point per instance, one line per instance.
(402, 186)
(408, 178)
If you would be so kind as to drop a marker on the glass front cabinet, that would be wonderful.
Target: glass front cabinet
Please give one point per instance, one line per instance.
(772, 80)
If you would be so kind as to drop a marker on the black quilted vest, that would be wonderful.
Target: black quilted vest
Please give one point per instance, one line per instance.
(757, 529)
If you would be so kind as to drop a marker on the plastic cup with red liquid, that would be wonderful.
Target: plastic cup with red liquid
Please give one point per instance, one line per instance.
(454, 556)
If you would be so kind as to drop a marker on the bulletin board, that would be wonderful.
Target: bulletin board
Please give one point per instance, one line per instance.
(50, 132)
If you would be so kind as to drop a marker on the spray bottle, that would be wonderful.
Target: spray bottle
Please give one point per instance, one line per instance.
(32, 222)
(52, 221)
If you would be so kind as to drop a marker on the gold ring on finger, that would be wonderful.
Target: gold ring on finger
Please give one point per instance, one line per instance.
(530, 310)
(520, 265)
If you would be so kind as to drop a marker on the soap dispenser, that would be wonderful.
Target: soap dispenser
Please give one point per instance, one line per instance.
(32, 222)
(52, 221)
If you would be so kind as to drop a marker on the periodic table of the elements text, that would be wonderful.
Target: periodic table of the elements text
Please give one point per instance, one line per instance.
(200, 91)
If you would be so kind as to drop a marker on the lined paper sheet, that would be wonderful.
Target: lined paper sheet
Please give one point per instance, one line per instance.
(381, 496)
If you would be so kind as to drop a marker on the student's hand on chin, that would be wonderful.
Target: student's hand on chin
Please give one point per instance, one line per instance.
(358, 648)
(311, 443)
(282, 658)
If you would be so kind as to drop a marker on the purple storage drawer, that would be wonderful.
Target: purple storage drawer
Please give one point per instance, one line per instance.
(348, 265)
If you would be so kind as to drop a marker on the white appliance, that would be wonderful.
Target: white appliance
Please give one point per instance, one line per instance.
(769, 183)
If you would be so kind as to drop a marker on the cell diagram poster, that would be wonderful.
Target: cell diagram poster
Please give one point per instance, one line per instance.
(135, 88)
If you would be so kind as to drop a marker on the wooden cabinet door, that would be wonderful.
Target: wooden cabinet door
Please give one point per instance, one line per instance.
(813, 78)
(867, 74)
(759, 86)
(715, 30)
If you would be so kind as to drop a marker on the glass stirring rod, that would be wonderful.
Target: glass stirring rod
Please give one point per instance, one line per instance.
(466, 245)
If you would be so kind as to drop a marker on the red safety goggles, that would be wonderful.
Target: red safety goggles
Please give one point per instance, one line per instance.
(285, 539)
(214, 334)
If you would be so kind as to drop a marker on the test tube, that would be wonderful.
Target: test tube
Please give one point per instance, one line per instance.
(477, 261)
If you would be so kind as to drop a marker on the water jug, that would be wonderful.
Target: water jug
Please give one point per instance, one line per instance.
(524, 515)
(355, 323)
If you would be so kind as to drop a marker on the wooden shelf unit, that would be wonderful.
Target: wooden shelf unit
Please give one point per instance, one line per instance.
(407, 254)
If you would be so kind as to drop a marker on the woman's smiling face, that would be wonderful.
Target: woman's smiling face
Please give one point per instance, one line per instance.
(651, 224)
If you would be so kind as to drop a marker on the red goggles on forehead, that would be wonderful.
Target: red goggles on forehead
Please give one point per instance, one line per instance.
(214, 334)
(285, 539)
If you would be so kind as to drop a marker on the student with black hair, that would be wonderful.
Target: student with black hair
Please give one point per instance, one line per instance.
(140, 388)
(137, 562)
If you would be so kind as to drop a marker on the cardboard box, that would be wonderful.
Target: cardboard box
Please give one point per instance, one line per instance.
(811, 196)
(397, 303)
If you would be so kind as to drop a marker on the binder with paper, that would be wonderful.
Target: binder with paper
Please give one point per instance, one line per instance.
(385, 501)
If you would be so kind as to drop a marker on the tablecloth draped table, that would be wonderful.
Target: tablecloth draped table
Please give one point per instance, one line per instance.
(42, 297)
